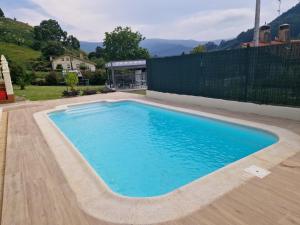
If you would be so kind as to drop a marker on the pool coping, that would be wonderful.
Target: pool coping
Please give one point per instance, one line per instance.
(97, 200)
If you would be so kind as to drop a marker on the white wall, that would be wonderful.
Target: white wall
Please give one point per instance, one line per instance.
(6, 76)
(64, 61)
(266, 110)
(71, 63)
(77, 62)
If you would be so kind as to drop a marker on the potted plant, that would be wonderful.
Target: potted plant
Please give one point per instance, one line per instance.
(71, 80)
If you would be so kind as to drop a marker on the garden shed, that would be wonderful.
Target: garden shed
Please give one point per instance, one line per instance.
(130, 74)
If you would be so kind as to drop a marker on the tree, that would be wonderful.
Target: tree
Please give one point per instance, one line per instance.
(36, 45)
(16, 70)
(92, 55)
(96, 78)
(1, 13)
(24, 80)
(198, 49)
(123, 44)
(98, 53)
(210, 46)
(71, 80)
(19, 75)
(72, 42)
(49, 30)
(100, 63)
(98, 57)
(53, 48)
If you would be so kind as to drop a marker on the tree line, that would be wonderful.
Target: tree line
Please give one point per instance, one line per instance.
(52, 40)
(120, 44)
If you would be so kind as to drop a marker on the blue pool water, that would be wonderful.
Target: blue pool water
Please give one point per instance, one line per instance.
(144, 151)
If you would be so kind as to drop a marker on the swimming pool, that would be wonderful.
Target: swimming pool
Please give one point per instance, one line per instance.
(144, 151)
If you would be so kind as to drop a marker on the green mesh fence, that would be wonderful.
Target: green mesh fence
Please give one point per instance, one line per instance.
(265, 75)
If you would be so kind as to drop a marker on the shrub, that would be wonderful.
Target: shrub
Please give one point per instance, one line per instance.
(71, 93)
(39, 82)
(24, 80)
(89, 92)
(32, 75)
(16, 70)
(52, 78)
(96, 78)
(20, 76)
(71, 80)
(106, 90)
(100, 63)
(41, 65)
(83, 67)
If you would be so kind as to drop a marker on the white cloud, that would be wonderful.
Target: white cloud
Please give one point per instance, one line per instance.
(214, 24)
(29, 16)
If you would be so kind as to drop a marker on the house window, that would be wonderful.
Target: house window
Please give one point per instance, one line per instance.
(62, 59)
(67, 59)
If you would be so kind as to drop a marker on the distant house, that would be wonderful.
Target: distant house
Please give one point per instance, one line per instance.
(265, 37)
(69, 62)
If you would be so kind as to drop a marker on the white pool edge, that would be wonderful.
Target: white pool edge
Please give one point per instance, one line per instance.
(96, 198)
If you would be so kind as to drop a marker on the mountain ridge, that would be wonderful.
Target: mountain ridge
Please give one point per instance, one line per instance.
(291, 16)
(157, 46)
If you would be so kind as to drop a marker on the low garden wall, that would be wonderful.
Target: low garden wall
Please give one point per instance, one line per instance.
(245, 107)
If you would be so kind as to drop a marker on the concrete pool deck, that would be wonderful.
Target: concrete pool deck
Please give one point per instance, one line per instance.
(36, 190)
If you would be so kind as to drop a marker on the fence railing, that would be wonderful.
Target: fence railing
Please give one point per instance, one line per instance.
(264, 75)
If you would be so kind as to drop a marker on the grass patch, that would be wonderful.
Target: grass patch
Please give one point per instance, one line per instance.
(19, 54)
(16, 32)
(36, 93)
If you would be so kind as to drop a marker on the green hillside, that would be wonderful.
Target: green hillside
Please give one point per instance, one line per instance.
(291, 17)
(19, 54)
(16, 40)
(16, 32)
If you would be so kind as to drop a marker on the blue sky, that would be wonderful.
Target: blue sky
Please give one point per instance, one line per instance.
(171, 19)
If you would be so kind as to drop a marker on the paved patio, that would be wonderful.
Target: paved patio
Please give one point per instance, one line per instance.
(37, 193)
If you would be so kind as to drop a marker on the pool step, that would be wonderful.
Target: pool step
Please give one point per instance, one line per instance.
(83, 107)
(87, 111)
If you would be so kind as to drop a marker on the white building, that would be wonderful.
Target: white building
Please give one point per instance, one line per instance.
(69, 62)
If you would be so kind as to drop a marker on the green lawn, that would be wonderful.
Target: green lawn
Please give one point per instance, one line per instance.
(35, 93)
